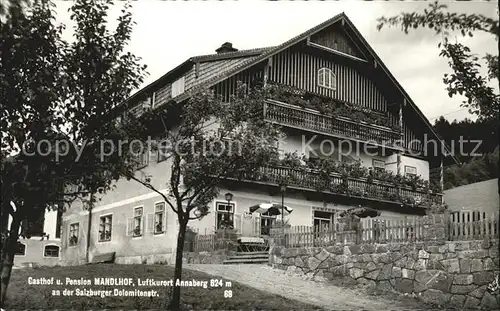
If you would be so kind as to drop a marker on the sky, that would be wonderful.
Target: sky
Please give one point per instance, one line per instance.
(169, 32)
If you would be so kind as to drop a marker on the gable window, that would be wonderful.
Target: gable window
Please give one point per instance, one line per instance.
(20, 249)
(378, 165)
(327, 79)
(51, 251)
(135, 226)
(105, 226)
(224, 216)
(73, 234)
(410, 171)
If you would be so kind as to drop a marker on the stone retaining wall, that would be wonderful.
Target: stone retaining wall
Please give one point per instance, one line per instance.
(216, 257)
(447, 274)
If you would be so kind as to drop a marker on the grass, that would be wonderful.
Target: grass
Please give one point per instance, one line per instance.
(21, 295)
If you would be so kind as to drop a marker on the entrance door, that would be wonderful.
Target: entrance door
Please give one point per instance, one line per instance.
(266, 223)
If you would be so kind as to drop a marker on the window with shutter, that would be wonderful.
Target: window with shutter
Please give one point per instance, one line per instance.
(150, 223)
(130, 226)
(178, 87)
(105, 228)
(138, 222)
(160, 219)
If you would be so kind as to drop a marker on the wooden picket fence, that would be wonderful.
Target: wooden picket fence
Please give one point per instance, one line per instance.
(473, 225)
(209, 243)
(459, 226)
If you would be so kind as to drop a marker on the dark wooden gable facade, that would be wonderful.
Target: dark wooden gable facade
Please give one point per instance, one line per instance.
(361, 79)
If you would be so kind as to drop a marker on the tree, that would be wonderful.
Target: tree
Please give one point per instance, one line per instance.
(201, 155)
(57, 106)
(30, 98)
(465, 78)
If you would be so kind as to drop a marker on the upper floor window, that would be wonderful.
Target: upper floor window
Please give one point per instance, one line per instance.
(378, 165)
(410, 171)
(327, 79)
(163, 150)
(105, 226)
(51, 251)
(140, 156)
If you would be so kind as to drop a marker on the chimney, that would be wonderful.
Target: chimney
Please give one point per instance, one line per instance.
(225, 48)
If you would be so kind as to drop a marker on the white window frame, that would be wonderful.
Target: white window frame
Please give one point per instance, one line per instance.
(77, 234)
(327, 78)
(152, 220)
(217, 212)
(410, 167)
(58, 252)
(99, 228)
(378, 164)
(331, 220)
(25, 250)
(132, 223)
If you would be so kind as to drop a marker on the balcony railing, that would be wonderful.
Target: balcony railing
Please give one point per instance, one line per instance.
(308, 179)
(308, 119)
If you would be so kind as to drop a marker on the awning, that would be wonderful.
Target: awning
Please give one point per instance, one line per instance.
(361, 212)
(271, 208)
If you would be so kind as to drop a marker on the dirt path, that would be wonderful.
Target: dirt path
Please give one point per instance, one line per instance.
(324, 295)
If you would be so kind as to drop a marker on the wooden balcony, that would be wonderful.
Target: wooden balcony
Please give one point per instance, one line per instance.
(310, 180)
(344, 128)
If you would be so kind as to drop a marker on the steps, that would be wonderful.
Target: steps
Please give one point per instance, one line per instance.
(247, 258)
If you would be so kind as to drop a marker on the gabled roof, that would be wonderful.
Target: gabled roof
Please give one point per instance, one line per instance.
(221, 63)
(227, 66)
(277, 49)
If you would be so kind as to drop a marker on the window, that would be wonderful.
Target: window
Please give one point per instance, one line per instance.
(105, 226)
(224, 215)
(327, 79)
(51, 251)
(178, 87)
(323, 220)
(410, 171)
(140, 160)
(162, 150)
(20, 249)
(135, 224)
(160, 219)
(378, 165)
(73, 234)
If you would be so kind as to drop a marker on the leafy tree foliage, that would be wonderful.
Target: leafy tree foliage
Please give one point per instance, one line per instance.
(480, 137)
(465, 78)
(57, 103)
(207, 140)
